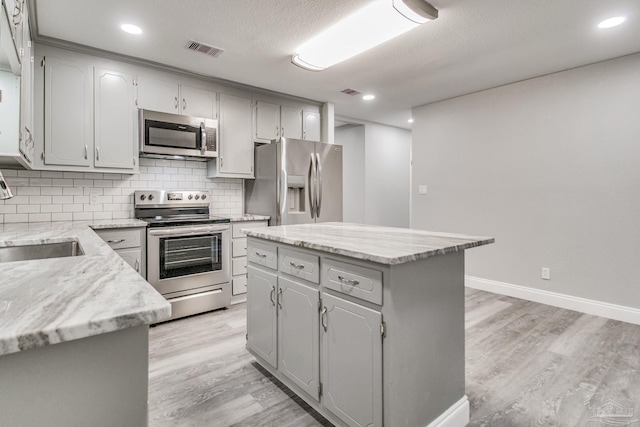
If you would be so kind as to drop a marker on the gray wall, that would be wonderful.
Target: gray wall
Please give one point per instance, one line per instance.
(351, 137)
(551, 168)
(377, 162)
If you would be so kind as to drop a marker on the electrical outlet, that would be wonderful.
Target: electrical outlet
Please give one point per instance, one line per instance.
(93, 199)
(422, 190)
(546, 273)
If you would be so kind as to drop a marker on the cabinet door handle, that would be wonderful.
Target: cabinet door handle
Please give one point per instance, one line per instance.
(283, 131)
(349, 281)
(86, 153)
(98, 153)
(184, 104)
(115, 242)
(137, 267)
(304, 134)
(272, 294)
(294, 265)
(280, 298)
(276, 130)
(175, 102)
(261, 255)
(323, 317)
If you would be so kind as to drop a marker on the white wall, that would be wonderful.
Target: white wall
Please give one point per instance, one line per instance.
(376, 164)
(64, 196)
(551, 168)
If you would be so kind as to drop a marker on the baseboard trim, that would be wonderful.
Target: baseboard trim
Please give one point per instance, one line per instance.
(456, 416)
(583, 305)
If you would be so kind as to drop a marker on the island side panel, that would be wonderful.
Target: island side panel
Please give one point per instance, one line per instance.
(423, 351)
(96, 381)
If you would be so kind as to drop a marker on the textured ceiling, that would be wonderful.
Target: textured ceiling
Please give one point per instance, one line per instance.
(473, 45)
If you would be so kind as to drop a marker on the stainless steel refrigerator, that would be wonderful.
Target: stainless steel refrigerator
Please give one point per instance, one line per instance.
(297, 182)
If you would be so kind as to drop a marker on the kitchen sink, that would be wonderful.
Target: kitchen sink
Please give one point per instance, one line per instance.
(40, 251)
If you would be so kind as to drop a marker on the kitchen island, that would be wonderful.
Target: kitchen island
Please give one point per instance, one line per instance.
(74, 330)
(364, 323)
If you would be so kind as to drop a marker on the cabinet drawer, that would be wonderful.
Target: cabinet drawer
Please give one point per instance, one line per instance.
(237, 226)
(239, 266)
(263, 254)
(133, 257)
(239, 285)
(121, 238)
(360, 282)
(299, 264)
(239, 247)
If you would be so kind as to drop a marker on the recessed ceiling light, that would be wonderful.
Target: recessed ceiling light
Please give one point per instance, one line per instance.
(612, 22)
(131, 29)
(410, 120)
(369, 97)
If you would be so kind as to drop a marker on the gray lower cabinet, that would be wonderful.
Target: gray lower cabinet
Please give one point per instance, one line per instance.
(129, 243)
(351, 361)
(239, 257)
(327, 346)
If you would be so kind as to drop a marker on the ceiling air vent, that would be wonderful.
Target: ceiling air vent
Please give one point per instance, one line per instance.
(351, 92)
(204, 48)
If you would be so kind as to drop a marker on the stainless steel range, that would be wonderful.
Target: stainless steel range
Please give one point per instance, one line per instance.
(188, 254)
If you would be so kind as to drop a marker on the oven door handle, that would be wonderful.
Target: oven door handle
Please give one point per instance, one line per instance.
(187, 231)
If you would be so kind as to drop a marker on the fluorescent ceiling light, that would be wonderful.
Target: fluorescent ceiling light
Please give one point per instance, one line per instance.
(368, 97)
(612, 22)
(131, 29)
(370, 26)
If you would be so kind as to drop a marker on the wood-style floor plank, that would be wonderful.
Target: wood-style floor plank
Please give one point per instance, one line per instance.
(527, 364)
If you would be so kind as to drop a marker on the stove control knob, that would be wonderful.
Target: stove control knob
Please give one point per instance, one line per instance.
(190, 196)
(150, 196)
(204, 196)
(197, 196)
(142, 197)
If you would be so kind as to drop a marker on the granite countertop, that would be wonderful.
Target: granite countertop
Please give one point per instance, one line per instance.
(384, 245)
(248, 217)
(49, 301)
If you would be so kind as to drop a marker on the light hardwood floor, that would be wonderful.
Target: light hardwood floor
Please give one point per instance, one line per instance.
(527, 364)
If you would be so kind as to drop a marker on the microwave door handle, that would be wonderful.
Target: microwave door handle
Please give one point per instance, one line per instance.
(203, 138)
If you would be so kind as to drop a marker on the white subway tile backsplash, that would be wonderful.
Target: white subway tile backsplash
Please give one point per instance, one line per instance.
(65, 196)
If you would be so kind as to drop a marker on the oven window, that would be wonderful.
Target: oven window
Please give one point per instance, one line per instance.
(182, 256)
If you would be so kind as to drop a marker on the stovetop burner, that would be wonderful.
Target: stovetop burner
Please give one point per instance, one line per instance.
(160, 208)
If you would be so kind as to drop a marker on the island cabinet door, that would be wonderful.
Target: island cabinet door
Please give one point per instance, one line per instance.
(261, 314)
(351, 362)
(299, 335)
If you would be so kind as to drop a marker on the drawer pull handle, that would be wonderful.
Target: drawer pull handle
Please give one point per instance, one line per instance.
(349, 281)
(294, 265)
(116, 241)
(261, 255)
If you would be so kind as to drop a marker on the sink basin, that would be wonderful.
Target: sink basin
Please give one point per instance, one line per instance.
(41, 251)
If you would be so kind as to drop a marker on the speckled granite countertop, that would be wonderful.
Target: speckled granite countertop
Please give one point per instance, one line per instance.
(49, 301)
(384, 245)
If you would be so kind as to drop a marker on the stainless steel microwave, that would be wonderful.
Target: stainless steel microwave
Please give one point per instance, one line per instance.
(165, 135)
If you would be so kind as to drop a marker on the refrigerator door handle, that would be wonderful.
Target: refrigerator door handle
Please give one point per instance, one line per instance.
(283, 194)
(312, 185)
(319, 185)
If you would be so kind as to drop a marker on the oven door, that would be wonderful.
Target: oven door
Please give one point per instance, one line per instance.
(186, 258)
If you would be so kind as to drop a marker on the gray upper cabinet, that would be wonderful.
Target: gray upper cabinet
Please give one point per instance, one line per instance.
(115, 120)
(68, 108)
(171, 97)
(291, 122)
(311, 126)
(235, 156)
(158, 95)
(198, 102)
(267, 121)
